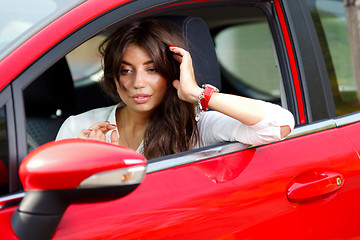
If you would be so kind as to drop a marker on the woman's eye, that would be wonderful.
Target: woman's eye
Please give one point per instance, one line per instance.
(125, 71)
(152, 69)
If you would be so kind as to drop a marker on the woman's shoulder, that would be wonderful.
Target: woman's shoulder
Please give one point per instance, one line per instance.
(74, 124)
(102, 113)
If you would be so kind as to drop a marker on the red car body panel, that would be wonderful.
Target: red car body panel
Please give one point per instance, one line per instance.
(292, 61)
(16, 62)
(196, 205)
(255, 181)
(352, 132)
(5, 223)
(4, 174)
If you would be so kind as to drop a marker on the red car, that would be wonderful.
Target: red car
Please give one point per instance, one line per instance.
(294, 53)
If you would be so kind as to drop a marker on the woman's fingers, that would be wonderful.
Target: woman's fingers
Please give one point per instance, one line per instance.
(186, 86)
(84, 133)
(178, 58)
(114, 138)
(103, 126)
(176, 84)
(97, 131)
(179, 51)
(181, 55)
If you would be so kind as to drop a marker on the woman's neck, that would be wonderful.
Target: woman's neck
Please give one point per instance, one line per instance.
(131, 127)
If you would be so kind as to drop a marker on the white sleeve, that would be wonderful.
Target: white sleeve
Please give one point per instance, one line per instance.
(68, 129)
(74, 124)
(216, 127)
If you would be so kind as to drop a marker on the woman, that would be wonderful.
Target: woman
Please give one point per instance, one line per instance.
(149, 72)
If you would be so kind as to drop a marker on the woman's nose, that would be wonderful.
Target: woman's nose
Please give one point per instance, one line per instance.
(139, 81)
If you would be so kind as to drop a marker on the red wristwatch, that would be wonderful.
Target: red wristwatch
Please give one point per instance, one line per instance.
(206, 95)
(204, 99)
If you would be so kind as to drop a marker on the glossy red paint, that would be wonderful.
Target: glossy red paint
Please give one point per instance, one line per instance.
(54, 165)
(6, 232)
(292, 61)
(13, 64)
(242, 195)
(314, 184)
(231, 197)
(352, 132)
(4, 174)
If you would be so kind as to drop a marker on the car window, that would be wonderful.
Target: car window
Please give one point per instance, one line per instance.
(69, 87)
(85, 60)
(4, 154)
(19, 18)
(246, 56)
(330, 22)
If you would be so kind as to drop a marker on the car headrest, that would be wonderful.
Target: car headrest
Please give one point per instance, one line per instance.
(52, 90)
(201, 47)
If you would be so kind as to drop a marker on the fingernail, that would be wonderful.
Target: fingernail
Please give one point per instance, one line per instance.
(107, 121)
(90, 130)
(171, 47)
(113, 125)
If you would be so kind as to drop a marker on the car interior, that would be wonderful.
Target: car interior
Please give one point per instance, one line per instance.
(243, 44)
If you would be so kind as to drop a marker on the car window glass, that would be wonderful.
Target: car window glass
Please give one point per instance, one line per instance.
(330, 23)
(85, 60)
(20, 17)
(4, 155)
(246, 57)
(48, 101)
(69, 87)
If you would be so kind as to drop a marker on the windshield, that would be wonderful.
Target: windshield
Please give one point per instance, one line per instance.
(20, 19)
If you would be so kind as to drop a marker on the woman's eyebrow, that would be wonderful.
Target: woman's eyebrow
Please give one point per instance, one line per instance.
(126, 63)
(148, 62)
(145, 63)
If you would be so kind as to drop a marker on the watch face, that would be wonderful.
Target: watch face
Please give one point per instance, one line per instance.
(210, 86)
(206, 95)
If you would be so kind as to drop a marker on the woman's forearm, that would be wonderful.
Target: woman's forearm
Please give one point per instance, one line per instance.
(246, 110)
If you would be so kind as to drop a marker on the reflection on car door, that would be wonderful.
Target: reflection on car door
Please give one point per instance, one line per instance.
(235, 196)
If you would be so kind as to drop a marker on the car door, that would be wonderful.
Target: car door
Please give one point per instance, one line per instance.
(303, 187)
(295, 188)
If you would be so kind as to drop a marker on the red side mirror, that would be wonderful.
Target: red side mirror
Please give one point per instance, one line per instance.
(66, 164)
(72, 171)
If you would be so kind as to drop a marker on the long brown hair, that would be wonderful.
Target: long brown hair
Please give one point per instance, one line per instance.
(172, 127)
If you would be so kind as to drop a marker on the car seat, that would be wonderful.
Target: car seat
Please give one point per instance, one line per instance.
(47, 100)
(200, 45)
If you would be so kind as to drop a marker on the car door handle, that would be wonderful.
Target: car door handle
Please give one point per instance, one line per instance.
(314, 184)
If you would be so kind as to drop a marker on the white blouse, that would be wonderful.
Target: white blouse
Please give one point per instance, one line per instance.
(214, 127)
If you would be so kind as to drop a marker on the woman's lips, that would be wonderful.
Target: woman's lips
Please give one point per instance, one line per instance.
(141, 98)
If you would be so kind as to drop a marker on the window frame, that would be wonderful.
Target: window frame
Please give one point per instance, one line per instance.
(314, 79)
(6, 101)
(122, 14)
(328, 51)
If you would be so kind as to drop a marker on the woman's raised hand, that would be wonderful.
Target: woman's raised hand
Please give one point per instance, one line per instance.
(186, 86)
(98, 131)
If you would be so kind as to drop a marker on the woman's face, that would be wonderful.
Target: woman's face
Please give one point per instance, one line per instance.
(143, 87)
